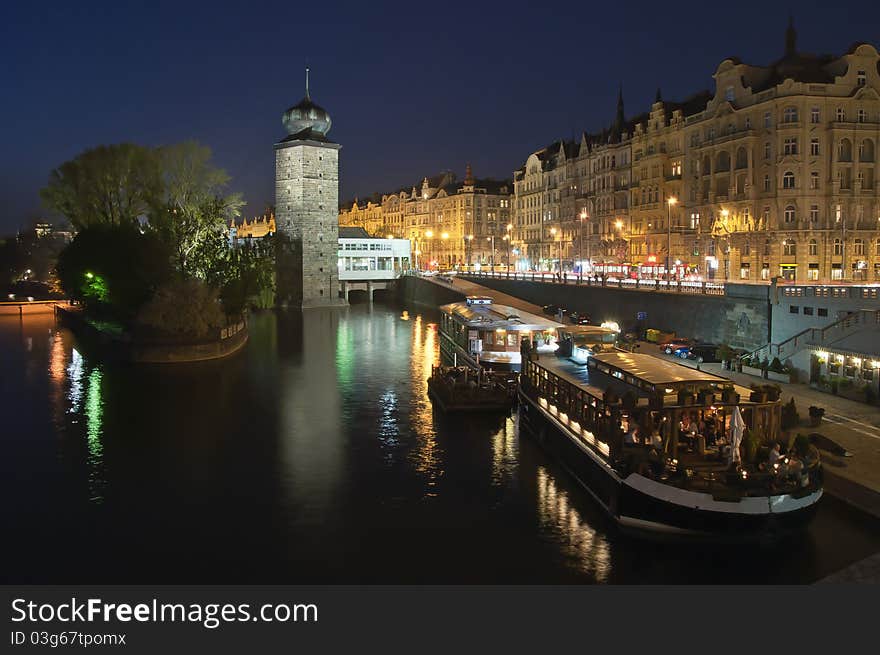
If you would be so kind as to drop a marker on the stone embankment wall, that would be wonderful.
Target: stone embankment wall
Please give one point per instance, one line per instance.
(740, 318)
(153, 351)
(411, 289)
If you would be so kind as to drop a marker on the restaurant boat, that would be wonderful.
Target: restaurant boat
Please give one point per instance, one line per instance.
(669, 450)
(480, 333)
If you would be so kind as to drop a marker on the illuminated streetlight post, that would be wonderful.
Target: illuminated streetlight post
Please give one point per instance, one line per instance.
(508, 239)
(492, 254)
(581, 249)
(669, 203)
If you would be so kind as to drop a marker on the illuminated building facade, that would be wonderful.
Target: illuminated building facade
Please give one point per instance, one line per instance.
(449, 223)
(772, 174)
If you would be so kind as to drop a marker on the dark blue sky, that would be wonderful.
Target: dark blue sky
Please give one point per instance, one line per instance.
(412, 87)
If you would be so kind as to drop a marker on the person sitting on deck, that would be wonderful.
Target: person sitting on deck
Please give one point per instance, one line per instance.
(632, 436)
(656, 440)
(774, 458)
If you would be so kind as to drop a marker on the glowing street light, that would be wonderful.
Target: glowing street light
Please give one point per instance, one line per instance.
(670, 202)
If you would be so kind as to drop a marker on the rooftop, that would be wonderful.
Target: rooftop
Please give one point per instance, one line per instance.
(656, 371)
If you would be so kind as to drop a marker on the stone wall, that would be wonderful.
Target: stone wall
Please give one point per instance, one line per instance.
(411, 289)
(306, 202)
(740, 318)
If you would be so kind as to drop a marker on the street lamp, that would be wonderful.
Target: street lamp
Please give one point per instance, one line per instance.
(508, 239)
(492, 254)
(724, 214)
(672, 200)
(584, 217)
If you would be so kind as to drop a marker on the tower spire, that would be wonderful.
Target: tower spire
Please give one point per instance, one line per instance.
(308, 97)
(790, 37)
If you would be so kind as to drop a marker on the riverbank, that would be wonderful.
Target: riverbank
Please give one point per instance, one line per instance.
(123, 345)
(27, 308)
(855, 426)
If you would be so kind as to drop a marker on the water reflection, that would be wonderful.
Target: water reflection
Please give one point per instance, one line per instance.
(313, 456)
(590, 549)
(94, 429)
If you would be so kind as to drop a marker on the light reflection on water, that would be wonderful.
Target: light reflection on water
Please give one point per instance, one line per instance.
(315, 455)
(578, 538)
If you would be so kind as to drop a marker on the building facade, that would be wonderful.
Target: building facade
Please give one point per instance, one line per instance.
(449, 223)
(772, 174)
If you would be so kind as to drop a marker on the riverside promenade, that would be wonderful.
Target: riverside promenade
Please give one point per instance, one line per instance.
(854, 426)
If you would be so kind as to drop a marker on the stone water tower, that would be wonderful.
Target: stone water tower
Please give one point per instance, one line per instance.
(306, 209)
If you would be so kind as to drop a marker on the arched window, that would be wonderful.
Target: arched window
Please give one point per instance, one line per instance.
(742, 158)
(814, 247)
(707, 165)
(844, 150)
(722, 161)
(789, 214)
(789, 247)
(859, 247)
(866, 151)
(788, 180)
(790, 115)
(838, 247)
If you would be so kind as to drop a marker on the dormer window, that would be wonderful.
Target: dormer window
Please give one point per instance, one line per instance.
(729, 94)
(861, 79)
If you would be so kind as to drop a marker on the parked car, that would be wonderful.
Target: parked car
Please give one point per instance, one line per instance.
(703, 352)
(669, 347)
(681, 352)
(580, 318)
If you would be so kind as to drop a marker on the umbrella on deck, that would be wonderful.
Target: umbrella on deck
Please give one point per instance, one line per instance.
(737, 428)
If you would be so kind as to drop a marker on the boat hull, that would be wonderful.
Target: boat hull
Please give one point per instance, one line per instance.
(646, 508)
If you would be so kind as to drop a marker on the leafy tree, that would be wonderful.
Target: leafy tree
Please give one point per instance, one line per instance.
(113, 269)
(107, 185)
(184, 308)
(194, 212)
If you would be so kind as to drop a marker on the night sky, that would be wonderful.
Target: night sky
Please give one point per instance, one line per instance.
(412, 88)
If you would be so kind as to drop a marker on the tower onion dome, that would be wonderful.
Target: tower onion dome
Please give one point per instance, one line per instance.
(306, 115)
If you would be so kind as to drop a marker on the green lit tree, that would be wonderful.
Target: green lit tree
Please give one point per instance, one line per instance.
(194, 210)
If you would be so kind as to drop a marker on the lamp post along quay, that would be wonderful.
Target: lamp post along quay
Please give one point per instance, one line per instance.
(669, 203)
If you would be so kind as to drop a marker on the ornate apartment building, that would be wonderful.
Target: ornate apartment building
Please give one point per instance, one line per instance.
(448, 222)
(773, 174)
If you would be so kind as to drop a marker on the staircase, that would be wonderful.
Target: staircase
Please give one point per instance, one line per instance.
(818, 336)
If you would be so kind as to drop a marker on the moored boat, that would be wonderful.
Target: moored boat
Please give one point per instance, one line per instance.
(480, 333)
(461, 389)
(669, 450)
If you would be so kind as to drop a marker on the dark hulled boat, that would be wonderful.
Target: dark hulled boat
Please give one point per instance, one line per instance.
(663, 483)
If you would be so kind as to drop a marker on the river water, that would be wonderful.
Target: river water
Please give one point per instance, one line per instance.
(314, 456)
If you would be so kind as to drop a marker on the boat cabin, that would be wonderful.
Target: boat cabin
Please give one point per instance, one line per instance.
(491, 335)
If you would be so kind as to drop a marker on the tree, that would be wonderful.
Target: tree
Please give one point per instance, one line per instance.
(113, 269)
(183, 308)
(107, 185)
(193, 212)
